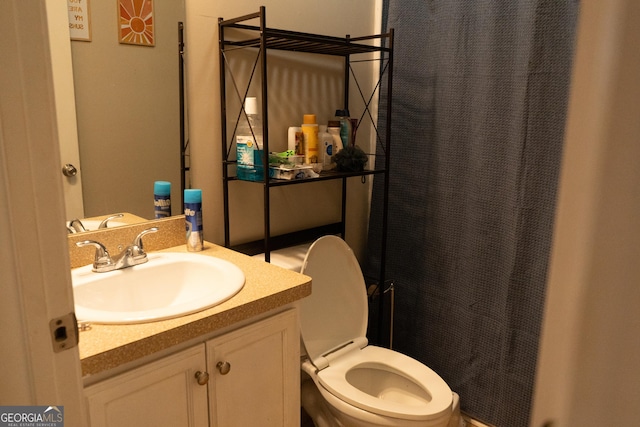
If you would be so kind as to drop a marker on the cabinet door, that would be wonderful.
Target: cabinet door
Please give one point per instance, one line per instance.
(255, 374)
(162, 393)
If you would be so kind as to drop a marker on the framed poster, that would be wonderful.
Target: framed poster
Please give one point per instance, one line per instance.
(135, 22)
(79, 20)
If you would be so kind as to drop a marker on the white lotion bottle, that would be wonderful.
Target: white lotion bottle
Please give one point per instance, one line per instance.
(334, 131)
(326, 147)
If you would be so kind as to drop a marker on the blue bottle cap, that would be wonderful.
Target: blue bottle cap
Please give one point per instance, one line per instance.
(162, 188)
(193, 196)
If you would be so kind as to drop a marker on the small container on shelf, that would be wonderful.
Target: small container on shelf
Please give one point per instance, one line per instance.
(249, 143)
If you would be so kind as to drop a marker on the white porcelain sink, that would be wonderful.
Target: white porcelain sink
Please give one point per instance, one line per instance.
(170, 284)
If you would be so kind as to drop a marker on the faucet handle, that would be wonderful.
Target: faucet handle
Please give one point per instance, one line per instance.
(104, 222)
(137, 242)
(102, 258)
(76, 225)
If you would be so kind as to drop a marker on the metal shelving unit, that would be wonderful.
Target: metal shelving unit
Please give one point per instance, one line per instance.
(237, 34)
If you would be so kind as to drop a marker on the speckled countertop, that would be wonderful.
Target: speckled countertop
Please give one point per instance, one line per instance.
(267, 287)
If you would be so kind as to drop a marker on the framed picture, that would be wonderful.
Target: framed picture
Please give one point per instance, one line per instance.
(79, 20)
(135, 22)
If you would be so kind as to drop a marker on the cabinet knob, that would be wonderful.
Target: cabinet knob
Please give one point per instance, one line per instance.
(224, 367)
(202, 378)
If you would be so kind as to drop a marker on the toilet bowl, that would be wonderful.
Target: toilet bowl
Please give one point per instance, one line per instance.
(350, 382)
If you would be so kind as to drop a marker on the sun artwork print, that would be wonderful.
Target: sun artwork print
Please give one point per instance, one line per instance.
(136, 22)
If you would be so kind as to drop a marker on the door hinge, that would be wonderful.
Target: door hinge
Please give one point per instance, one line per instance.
(64, 332)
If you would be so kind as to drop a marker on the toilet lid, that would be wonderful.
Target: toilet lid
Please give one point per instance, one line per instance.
(336, 311)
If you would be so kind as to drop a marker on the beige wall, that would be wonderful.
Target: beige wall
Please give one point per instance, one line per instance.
(588, 373)
(300, 86)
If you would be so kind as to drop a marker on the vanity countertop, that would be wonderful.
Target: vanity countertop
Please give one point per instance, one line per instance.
(267, 287)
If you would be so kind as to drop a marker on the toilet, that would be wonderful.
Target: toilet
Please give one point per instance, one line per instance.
(351, 383)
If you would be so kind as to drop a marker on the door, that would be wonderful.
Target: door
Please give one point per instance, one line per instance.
(255, 374)
(34, 262)
(162, 393)
(64, 95)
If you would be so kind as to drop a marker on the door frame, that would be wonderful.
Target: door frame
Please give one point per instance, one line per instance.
(34, 261)
(65, 102)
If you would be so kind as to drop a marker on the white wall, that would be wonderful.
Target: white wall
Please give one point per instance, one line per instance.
(298, 206)
(588, 373)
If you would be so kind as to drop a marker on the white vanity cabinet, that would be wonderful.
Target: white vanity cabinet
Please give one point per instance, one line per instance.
(253, 379)
(161, 393)
(255, 374)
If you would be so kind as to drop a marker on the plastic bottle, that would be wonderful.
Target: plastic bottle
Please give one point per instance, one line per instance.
(295, 140)
(346, 128)
(310, 132)
(193, 219)
(249, 142)
(327, 148)
(334, 131)
(162, 199)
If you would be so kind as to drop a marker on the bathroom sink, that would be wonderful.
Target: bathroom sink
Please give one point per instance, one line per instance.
(170, 284)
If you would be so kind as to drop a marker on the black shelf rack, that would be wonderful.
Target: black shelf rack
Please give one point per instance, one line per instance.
(237, 33)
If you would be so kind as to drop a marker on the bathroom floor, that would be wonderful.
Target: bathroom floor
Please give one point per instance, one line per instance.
(305, 419)
(469, 422)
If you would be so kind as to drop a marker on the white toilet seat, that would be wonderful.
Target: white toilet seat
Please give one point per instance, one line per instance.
(334, 379)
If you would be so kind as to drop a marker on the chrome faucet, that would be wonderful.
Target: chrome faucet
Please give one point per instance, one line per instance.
(104, 222)
(76, 226)
(133, 254)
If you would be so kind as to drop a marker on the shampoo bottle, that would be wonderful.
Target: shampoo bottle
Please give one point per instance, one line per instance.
(162, 199)
(310, 132)
(193, 219)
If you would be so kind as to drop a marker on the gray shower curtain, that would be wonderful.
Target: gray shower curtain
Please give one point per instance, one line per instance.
(480, 94)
